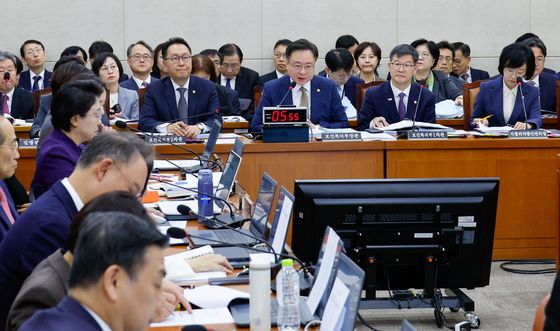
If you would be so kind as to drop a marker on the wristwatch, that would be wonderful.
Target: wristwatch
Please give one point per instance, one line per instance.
(201, 127)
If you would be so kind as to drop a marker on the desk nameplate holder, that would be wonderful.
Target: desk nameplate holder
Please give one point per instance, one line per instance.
(28, 142)
(427, 135)
(343, 136)
(168, 139)
(528, 134)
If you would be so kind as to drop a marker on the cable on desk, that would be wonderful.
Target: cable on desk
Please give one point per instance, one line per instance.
(505, 267)
(363, 321)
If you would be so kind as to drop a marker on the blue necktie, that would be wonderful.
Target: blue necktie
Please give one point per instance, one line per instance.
(402, 107)
(228, 83)
(182, 105)
(36, 80)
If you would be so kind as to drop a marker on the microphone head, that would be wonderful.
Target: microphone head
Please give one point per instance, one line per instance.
(184, 210)
(176, 233)
(6, 76)
(292, 85)
(121, 124)
(194, 328)
(519, 80)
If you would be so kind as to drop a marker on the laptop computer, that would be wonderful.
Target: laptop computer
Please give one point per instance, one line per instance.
(258, 221)
(239, 256)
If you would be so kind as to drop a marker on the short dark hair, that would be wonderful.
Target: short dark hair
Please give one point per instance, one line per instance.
(173, 41)
(516, 55)
(64, 70)
(535, 42)
(432, 48)
(139, 42)
(19, 65)
(464, 48)
(339, 58)
(98, 47)
(302, 45)
(155, 69)
(209, 52)
(374, 48)
(100, 60)
(346, 41)
(283, 42)
(230, 50)
(203, 63)
(526, 36)
(27, 42)
(444, 44)
(73, 50)
(112, 238)
(111, 201)
(403, 50)
(74, 98)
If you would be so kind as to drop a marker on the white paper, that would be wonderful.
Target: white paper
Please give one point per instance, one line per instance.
(407, 124)
(334, 311)
(321, 282)
(282, 226)
(166, 165)
(225, 142)
(448, 109)
(233, 119)
(170, 207)
(199, 316)
(211, 296)
(494, 129)
(192, 182)
(351, 112)
(220, 136)
(368, 136)
(177, 266)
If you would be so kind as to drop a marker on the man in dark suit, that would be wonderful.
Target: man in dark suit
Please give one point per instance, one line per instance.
(111, 162)
(115, 280)
(179, 96)
(544, 81)
(15, 101)
(461, 64)
(8, 163)
(339, 69)
(301, 87)
(280, 62)
(399, 98)
(445, 62)
(37, 77)
(140, 60)
(529, 35)
(236, 77)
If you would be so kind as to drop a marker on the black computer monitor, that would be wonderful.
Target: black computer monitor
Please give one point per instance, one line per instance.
(405, 233)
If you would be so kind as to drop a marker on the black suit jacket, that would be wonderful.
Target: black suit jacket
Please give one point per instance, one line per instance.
(245, 82)
(547, 90)
(476, 74)
(268, 77)
(25, 80)
(22, 104)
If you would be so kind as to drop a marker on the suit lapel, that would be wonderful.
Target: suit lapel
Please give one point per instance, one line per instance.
(315, 94)
(518, 106)
(390, 104)
(169, 93)
(412, 103)
(14, 110)
(65, 199)
(191, 102)
(497, 100)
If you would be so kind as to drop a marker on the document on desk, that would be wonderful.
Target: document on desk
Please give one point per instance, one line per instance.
(407, 124)
(199, 316)
(336, 306)
(448, 109)
(368, 136)
(170, 207)
(179, 271)
(166, 165)
(212, 296)
(494, 129)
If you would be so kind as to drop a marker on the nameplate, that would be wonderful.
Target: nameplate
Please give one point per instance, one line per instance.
(427, 135)
(163, 139)
(342, 136)
(528, 134)
(28, 142)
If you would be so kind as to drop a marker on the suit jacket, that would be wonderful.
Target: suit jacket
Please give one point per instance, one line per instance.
(160, 105)
(40, 231)
(490, 101)
(476, 74)
(380, 101)
(444, 88)
(547, 90)
(44, 288)
(268, 77)
(326, 108)
(22, 104)
(44, 109)
(56, 159)
(5, 223)
(245, 82)
(228, 101)
(17, 190)
(131, 83)
(68, 315)
(128, 100)
(350, 89)
(26, 83)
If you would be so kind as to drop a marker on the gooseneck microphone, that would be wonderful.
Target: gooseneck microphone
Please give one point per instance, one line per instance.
(185, 119)
(290, 87)
(519, 83)
(6, 76)
(414, 128)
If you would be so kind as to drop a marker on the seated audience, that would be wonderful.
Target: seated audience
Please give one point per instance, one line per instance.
(529, 35)
(8, 163)
(15, 101)
(434, 81)
(499, 101)
(350, 43)
(445, 62)
(399, 98)
(116, 277)
(368, 57)
(181, 104)
(215, 57)
(461, 64)
(141, 61)
(203, 67)
(280, 62)
(544, 81)
(112, 162)
(158, 68)
(318, 94)
(99, 47)
(75, 51)
(37, 77)
(123, 103)
(339, 68)
(238, 78)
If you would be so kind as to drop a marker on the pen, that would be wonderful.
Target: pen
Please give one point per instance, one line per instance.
(486, 117)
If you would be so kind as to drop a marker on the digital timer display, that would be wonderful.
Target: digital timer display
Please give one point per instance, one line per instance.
(273, 115)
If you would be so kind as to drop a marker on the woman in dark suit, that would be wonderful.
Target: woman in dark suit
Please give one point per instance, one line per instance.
(507, 99)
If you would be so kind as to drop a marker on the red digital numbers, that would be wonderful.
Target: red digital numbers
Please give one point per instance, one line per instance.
(284, 116)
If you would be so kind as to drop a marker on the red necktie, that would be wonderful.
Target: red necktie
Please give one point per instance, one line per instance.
(5, 206)
(5, 108)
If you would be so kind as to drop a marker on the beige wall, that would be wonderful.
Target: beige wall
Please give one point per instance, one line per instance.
(484, 25)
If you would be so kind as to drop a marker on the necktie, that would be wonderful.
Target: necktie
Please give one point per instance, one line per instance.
(228, 83)
(340, 91)
(402, 106)
(304, 101)
(5, 206)
(465, 77)
(143, 85)
(36, 80)
(5, 108)
(182, 105)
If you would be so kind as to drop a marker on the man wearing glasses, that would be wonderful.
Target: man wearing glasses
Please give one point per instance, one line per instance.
(397, 99)
(280, 62)
(180, 104)
(37, 77)
(14, 100)
(8, 163)
(301, 87)
(140, 60)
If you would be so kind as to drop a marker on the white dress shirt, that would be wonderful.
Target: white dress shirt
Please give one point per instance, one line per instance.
(73, 194)
(296, 94)
(223, 82)
(139, 82)
(41, 81)
(102, 324)
(279, 74)
(509, 101)
(396, 93)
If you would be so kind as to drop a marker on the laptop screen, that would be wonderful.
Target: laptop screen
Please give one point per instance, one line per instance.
(238, 146)
(212, 139)
(228, 178)
(282, 217)
(259, 220)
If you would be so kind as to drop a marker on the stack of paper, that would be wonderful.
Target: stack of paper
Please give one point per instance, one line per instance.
(198, 317)
(178, 269)
(448, 109)
(211, 296)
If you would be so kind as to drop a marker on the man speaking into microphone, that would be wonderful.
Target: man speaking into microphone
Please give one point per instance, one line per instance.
(180, 104)
(301, 87)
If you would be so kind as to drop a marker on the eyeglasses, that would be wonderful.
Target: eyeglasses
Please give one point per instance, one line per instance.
(539, 59)
(34, 51)
(13, 146)
(176, 59)
(138, 57)
(399, 66)
(298, 67)
(230, 65)
(97, 114)
(279, 55)
(425, 55)
(446, 59)
(133, 188)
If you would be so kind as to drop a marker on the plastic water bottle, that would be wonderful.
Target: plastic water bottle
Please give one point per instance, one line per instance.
(205, 204)
(287, 293)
